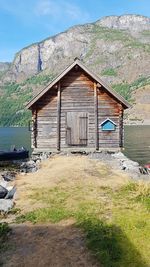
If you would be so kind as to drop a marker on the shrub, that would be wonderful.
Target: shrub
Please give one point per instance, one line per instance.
(109, 72)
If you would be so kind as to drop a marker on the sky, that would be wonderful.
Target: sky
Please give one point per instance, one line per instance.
(23, 22)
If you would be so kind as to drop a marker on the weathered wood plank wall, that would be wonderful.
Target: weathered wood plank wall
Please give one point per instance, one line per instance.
(47, 120)
(77, 95)
(108, 107)
(77, 92)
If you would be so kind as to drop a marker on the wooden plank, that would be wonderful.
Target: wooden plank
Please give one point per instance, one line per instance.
(34, 135)
(121, 137)
(58, 115)
(96, 116)
(76, 128)
(83, 123)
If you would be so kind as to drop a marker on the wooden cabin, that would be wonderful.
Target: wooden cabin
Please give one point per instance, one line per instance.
(77, 111)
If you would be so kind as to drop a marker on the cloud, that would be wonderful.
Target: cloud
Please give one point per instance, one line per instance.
(60, 9)
(48, 16)
(75, 12)
(46, 7)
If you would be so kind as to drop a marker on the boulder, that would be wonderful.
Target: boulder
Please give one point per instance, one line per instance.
(6, 205)
(29, 166)
(3, 192)
(8, 176)
(45, 155)
(3, 183)
(11, 193)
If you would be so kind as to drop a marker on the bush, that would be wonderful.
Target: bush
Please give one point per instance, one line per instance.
(109, 72)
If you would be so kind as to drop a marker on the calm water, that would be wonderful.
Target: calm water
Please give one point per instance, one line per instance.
(18, 136)
(137, 141)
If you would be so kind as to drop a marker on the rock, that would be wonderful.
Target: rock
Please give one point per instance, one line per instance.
(9, 176)
(119, 156)
(45, 155)
(4, 66)
(129, 164)
(3, 192)
(65, 46)
(6, 205)
(3, 183)
(29, 166)
(126, 22)
(11, 193)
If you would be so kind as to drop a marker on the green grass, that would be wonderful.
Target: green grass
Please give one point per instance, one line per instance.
(53, 215)
(4, 230)
(116, 226)
(39, 79)
(126, 89)
(123, 89)
(113, 35)
(109, 34)
(109, 72)
(103, 240)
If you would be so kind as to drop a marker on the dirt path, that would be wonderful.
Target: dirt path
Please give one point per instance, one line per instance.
(58, 245)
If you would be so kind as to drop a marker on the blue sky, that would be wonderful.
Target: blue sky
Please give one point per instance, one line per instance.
(23, 22)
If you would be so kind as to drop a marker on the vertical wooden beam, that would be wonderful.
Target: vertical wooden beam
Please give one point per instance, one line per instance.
(58, 115)
(96, 116)
(121, 127)
(34, 128)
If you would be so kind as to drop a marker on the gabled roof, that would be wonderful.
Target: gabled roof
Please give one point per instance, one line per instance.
(90, 73)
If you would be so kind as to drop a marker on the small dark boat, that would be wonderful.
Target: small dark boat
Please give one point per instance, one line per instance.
(147, 166)
(14, 154)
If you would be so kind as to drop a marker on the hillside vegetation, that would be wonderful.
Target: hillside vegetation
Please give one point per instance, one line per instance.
(14, 96)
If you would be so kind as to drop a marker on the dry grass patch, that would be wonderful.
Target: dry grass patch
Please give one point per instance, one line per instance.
(76, 175)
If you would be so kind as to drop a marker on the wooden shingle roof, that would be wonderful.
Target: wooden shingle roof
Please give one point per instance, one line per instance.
(90, 73)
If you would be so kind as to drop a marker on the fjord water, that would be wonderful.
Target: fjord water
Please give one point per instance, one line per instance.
(137, 141)
(18, 136)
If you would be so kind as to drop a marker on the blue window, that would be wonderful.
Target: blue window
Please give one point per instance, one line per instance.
(108, 125)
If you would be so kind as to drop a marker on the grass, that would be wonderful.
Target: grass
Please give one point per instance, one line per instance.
(123, 89)
(39, 79)
(126, 89)
(43, 215)
(112, 213)
(109, 72)
(109, 34)
(113, 35)
(4, 230)
(109, 239)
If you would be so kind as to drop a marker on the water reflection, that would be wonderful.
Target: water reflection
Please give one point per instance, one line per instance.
(137, 143)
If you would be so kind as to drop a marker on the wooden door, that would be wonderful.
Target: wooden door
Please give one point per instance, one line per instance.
(76, 128)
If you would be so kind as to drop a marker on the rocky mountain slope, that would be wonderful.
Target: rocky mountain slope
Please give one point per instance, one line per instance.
(116, 48)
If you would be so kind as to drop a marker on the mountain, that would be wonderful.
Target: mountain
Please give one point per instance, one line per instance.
(117, 48)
